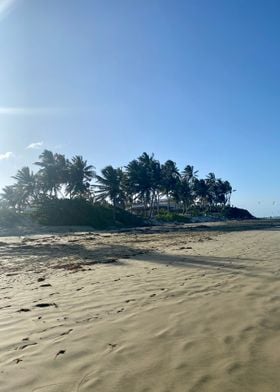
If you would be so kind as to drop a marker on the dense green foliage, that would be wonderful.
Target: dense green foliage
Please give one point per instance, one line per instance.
(9, 217)
(167, 216)
(236, 213)
(62, 191)
(80, 212)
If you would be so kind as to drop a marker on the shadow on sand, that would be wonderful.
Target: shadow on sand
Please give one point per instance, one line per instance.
(117, 254)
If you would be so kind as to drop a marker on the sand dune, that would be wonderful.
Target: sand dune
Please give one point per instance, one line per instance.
(153, 311)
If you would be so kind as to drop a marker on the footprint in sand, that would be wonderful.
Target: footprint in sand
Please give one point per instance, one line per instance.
(112, 346)
(24, 346)
(5, 307)
(61, 352)
(46, 305)
(23, 310)
(67, 332)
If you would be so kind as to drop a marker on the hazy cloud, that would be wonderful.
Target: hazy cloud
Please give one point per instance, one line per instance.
(6, 155)
(29, 111)
(6, 6)
(35, 146)
(41, 111)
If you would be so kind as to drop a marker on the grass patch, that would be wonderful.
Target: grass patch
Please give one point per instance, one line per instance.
(165, 216)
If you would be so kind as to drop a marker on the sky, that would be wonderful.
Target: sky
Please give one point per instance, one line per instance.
(195, 81)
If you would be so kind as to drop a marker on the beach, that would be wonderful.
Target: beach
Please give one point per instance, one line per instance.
(181, 309)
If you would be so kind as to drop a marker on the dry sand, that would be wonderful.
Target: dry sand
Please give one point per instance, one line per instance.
(179, 311)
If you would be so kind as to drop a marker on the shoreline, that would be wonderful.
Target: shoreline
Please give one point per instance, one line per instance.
(227, 225)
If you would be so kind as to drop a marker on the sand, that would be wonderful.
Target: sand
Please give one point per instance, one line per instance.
(141, 311)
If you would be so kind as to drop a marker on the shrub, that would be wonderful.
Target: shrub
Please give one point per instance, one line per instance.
(10, 218)
(237, 213)
(79, 212)
(165, 216)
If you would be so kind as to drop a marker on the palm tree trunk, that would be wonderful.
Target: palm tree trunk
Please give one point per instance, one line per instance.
(158, 197)
(145, 207)
(152, 204)
(114, 211)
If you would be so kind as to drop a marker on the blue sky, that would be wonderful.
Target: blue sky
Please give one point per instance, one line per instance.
(196, 81)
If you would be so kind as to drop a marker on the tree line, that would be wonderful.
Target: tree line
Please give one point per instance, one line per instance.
(144, 183)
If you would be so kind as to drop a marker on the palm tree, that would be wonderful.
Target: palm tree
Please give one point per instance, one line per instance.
(223, 192)
(79, 177)
(12, 197)
(189, 174)
(111, 187)
(227, 191)
(211, 177)
(144, 180)
(201, 191)
(138, 182)
(212, 184)
(183, 194)
(52, 173)
(26, 185)
(169, 179)
(155, 173)
(219, 191)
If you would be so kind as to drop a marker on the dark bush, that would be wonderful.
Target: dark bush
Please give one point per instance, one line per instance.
(79, 212)
(10, 218)
(237, 213)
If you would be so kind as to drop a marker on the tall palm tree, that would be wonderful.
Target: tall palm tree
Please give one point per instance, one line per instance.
(227, 188)
(26, 185)
(219, 191)
(183, 194)
(213, 190)
(138, 183)
(52, 173)
(169, 179)
(144, 180)
(12, 197)
(111, 187)
(201, 192)
(223, 192)
(80, 175)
